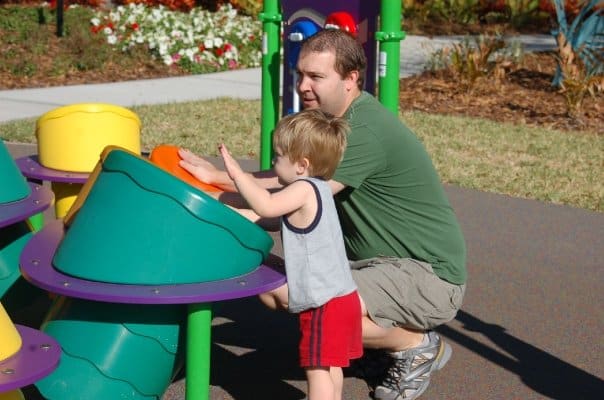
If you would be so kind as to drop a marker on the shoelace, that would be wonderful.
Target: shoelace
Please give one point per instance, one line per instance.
(402, 367)
(399, 368)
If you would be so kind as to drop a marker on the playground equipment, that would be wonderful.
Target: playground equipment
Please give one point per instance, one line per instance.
(166, 157)
(136, 195)
(70, 139)
(163, 213)
(26, 354)
(19, 200)
(300, 19)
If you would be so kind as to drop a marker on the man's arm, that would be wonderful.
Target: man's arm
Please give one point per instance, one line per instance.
(336, 187)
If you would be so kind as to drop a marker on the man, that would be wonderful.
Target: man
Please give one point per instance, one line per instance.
(407, 250)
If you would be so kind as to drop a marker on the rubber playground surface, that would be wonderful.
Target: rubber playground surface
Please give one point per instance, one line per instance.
(530, 327)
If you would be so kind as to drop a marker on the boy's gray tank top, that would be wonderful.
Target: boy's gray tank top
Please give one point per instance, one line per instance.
(315, 258)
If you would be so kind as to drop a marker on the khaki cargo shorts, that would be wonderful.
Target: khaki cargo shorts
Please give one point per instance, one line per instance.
(405, 292)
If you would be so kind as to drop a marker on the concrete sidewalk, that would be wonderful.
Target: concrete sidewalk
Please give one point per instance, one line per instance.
(245, 84)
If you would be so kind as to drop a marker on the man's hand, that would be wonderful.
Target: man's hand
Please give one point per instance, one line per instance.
(197, 166)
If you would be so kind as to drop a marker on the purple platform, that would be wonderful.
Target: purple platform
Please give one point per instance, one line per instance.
(36, 267)
(15, 211)
(39, 356)
(31, 168)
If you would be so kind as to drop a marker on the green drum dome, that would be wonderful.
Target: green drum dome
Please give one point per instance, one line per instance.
(113, 351)
(13, 183)
(141, 225)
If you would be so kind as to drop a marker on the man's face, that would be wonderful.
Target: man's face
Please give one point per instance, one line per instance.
(319, 85)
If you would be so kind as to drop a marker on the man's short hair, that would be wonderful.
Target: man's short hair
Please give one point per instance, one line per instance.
(349, 53)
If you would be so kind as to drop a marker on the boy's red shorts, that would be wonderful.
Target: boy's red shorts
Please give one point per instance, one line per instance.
(331, 334)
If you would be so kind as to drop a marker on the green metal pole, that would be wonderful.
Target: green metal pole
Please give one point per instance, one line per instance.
(199, 344)
(389, 36)
(271, 60)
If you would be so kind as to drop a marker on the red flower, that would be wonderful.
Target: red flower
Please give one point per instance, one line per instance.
(134, 26)
(219, 52)
(202, 48)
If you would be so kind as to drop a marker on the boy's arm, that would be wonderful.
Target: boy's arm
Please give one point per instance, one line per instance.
(206, 172)
(264, 203)
(269, 224)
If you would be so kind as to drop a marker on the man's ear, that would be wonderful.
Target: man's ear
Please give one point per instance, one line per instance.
(351, 79)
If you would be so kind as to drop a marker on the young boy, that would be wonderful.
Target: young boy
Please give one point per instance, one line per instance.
(308, 147)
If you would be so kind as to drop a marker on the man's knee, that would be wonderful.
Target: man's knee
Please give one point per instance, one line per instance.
(275, 299)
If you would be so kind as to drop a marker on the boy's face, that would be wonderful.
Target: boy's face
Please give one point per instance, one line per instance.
(320, 86)
(286, 170)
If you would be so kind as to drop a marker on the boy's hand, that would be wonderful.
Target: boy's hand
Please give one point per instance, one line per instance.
(231, 165)
(197, 166)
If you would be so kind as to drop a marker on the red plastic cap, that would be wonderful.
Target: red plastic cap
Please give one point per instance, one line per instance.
(341, 20)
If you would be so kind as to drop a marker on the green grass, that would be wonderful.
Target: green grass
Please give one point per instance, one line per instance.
(30, 47)
(520, 161)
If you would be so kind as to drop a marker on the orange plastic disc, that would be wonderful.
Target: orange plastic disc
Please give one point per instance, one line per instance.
(166, 157)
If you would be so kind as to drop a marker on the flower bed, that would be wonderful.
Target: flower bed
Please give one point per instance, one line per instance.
(198, 41)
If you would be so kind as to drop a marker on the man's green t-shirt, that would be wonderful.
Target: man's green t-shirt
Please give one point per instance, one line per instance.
(394, 203)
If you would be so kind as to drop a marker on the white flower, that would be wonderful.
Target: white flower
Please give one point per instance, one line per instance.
(163, 49)
(190, 53)
(194, 35)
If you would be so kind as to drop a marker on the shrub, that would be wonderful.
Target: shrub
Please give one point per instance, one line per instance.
(576, 83)
(584, 33)
(248, 7)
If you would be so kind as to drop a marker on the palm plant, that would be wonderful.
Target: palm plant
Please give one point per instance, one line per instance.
(576, 82)
(585, 35)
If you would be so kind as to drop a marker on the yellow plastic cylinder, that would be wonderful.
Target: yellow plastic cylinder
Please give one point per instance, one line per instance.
(71, 138)
(65, 196)
(12, 395)
(11, 340)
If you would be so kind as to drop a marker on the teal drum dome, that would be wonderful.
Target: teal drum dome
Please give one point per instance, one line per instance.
(113, 351)
(141, 225)
(13, 183)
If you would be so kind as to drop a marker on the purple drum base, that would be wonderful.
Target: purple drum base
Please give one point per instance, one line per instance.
(36, 267)
(31, 168)
(39, 199)
(39, 356)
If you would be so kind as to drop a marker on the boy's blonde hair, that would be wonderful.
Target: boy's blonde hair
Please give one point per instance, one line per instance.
(315, 135)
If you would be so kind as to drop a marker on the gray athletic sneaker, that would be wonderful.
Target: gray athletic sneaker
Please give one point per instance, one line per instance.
(409, 376)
